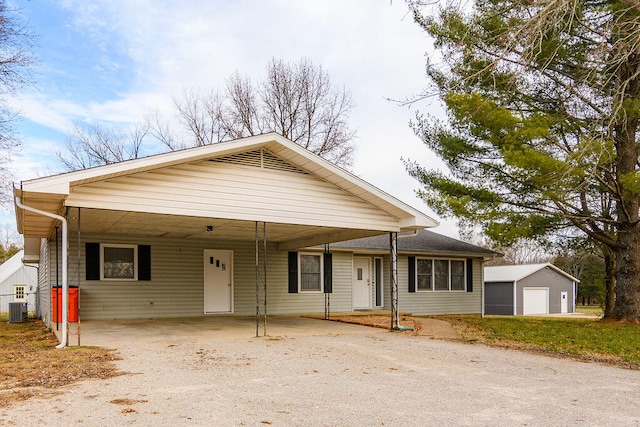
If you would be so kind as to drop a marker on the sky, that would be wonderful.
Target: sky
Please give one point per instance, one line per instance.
(112, 62)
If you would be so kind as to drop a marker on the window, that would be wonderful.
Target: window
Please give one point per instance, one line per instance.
(457, 275)
(118, 262)
(19, 293)
(109, 261)
(441, 268)
(310, 272)
(440, 275)
(425, 272)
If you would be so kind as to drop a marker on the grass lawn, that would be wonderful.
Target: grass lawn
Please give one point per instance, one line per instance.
(30, 364)
(617, 343)
(585, 309)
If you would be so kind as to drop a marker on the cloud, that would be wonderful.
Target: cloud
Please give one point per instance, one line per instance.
(139, 54)
(54, 114)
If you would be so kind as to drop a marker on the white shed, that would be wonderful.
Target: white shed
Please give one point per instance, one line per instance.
(18, 283)
(529, 289)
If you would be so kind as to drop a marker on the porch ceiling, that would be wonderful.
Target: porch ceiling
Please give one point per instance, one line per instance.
(287, 236)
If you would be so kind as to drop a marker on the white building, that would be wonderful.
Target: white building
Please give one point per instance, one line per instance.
(18, 283)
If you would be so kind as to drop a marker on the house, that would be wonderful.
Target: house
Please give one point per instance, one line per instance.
(18, 283)
(222, 229)
(529, 289)
(437, 274)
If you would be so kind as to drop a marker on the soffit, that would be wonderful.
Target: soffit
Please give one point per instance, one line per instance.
(141, 225)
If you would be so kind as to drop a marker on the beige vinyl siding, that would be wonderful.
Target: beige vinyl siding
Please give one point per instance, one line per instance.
(280, 301)
(435, 302)
(176, 288)
(217, 190)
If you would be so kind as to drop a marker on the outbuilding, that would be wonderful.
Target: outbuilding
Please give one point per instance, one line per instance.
(18, 283)
(528, 290)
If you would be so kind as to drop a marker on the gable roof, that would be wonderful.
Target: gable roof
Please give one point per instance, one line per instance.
(10, 266)
(515, 273)
(423, 242)
(52, 194)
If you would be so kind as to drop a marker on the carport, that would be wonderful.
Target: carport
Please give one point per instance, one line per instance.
(202, 231)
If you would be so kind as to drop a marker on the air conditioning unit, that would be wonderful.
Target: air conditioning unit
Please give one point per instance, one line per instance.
(17, 312)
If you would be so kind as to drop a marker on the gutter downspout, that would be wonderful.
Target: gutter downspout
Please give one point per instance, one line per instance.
(65, 285)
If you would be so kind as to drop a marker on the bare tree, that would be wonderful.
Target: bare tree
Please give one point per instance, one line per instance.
(521, 252)
(16, 40)
(94, 145)
(202, 116)
(295, 100)
(242, 116)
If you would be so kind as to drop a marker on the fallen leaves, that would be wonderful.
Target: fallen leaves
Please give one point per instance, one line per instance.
(29, 362)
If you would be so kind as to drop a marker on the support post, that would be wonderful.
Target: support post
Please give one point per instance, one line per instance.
(257, 283)
(261, 278)
(264, 276)
(327, 295)
(393, 246)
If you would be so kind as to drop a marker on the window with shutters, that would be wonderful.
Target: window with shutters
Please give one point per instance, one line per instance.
(440, 274)
(310, 268)
(118, 262)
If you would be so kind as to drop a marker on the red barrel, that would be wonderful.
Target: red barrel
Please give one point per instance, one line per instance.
(56, 304)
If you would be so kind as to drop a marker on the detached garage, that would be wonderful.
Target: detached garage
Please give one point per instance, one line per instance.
(528, 290)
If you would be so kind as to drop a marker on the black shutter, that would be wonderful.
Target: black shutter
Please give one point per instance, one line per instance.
(144, 262)
(92, 261)
(469, 274)
(328, 273)
(412, 274)
(293, 272)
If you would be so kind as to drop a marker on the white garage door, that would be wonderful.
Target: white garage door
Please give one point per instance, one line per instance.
(535, 300)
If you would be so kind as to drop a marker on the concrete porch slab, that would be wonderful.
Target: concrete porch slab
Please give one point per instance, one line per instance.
(116, 333)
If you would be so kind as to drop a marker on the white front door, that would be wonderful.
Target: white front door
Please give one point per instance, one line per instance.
(361, 283)
(218, 281)
(564, 302)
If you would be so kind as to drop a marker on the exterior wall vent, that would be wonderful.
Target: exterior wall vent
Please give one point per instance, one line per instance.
(17, 312)
(260, 159)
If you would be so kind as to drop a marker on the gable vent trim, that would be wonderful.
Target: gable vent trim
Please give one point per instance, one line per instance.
(262, 159)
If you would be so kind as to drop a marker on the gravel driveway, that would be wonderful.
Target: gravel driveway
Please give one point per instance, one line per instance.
(353, 376)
